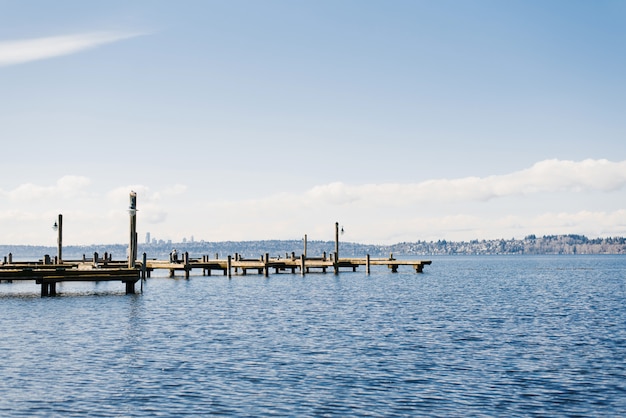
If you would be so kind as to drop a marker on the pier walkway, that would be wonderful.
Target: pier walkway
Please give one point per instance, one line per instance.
(265, 264)
(49, 274)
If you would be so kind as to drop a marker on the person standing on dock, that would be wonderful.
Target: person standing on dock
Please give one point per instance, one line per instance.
(174, 256)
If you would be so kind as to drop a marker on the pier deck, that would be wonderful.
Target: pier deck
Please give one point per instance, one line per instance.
(265, 264)
(48, 275)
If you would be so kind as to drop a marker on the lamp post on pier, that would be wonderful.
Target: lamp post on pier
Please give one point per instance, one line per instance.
(58, 226)
(132, 247)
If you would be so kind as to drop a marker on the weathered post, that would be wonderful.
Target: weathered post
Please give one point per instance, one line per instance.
(367, 264)
(266, 268)
(305, 245)
(336, 241)
(45, 289)
(130, 287)
(302, 266)
(229, 264)
(58, 226)
(10, 258)
(144, 268)
(132, 247)
(186, 263)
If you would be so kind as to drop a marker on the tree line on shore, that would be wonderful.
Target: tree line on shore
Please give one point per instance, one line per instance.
(530, 245)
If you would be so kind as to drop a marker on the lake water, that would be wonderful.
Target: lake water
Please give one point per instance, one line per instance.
(490, 336)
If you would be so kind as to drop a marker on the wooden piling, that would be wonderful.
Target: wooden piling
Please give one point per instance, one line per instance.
(229, 265)
(367, 264)
(60, 239)
(130, 287)
(186, 264)
(132, 246)
(302, 266)
(336, 241)
(144, 267)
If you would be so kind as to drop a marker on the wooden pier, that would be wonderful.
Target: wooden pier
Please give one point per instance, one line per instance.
(48, 275)
(266, 264)
(48, 272)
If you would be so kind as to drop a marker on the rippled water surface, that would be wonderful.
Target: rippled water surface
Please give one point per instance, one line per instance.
(492, 336)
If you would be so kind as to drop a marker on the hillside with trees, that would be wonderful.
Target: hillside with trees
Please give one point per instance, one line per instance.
(530, 245)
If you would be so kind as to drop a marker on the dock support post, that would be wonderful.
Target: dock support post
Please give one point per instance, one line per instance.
(266, 269)
(229, 265)
(336, 241)
(10, 258)
(132, 246)
(59, 229)
(305, 245)
(130, 287)
(367, 264)
(302, 266)
(336, 263)
(144, 267)
(44, 288)
(186, 263)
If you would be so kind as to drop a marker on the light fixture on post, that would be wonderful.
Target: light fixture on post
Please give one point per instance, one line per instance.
(58, 226)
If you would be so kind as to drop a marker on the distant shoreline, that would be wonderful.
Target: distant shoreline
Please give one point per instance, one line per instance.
(531, 245)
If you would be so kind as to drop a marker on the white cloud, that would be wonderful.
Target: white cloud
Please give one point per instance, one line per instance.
(26, 50)
(65, 187)
(544, 177)
(550, 197)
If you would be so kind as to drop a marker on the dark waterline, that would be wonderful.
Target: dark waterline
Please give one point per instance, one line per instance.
(493, 336)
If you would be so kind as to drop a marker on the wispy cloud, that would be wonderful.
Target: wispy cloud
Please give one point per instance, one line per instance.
(549, 197)
(26, 50)
(547, 176)
(65, 187)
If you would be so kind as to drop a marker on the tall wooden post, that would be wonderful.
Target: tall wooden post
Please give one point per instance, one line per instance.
(60, 239)
(305, 245)
(132, 247)
(337, 240)
(144, 268)
(336, 257)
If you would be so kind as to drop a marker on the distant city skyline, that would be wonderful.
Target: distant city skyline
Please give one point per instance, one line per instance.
(402, 121)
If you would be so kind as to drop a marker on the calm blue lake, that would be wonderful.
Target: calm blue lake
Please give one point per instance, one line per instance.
(491, 336)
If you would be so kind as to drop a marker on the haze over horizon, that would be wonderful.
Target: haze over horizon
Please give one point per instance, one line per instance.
(233, 121)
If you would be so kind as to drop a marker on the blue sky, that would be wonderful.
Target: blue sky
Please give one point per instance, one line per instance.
(238, 120)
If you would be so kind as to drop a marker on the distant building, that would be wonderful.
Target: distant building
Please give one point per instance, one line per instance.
(147, 238)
